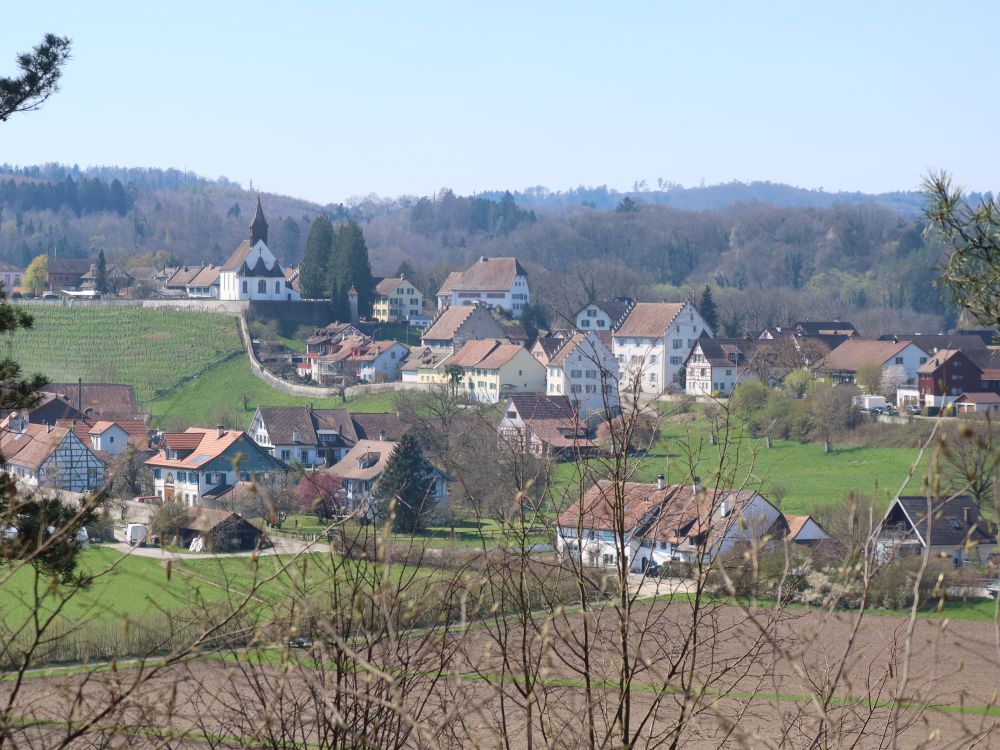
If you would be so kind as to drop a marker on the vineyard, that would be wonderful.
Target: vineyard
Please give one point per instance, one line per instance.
(187, 367)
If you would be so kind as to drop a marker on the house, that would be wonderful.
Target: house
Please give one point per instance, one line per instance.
(201, 467)
(41, 455)
(252, 272)
(204, 284)
(117, 278)
(101, 400)
(457, 325)
(934, 342)
(425, 366)
(67, 273)
(10, 277)
(493, 369)
(220, 531)
(50, 408)
(841, 364)
(360, 359)
(653, 342)
(977, 403)
(325, 340)
(318, 437)
(545, 426)
(664, 523)
(715, 366)
(361, 469)
(115, 436)
(947, 527)
(545, 347)
(397, 299)
(606, 315)
(945, 376)
(585, 370)
(489, 282)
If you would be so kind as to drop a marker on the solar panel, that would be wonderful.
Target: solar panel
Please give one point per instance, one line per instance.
(201, 457)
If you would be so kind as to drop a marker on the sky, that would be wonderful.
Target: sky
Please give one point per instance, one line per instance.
(329, 100)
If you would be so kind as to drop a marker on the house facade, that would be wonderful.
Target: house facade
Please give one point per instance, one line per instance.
(360, 359)
(493, 369)
(946, 527)
(489, 282)
(252, 272)
(545, 426)
(46, 456)
(10, 277)
(664, 523)
(397, 299)
(203, 467)
(841, 364)
(584, 370)
(945, 376)
(715, 367)
(653, 342)
(606, 315)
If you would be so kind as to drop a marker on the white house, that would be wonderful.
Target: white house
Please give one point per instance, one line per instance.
(115, 436)
(493, 369)
(715, 366)
(664, 523)
(841, 364)
(397, 299)
(361, 358)
(605, 315)
(585, 370)
(252, 272)
(544, 426)
(653, 342)
(491, 282)
(201, 467)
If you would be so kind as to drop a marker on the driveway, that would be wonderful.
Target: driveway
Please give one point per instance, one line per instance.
(648, 586)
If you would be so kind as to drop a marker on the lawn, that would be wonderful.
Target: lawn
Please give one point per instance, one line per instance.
(802, 475)
(188, 368)
(217, 395)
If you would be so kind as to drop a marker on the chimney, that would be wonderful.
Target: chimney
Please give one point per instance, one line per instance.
(79, 395)
(661, 482)
(220, 431)
(967, 516)
(381, 435)
(697, 485)
(48, 427)
(296, 437)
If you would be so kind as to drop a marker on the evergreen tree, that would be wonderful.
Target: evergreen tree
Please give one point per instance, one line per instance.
(101, 274)
(627, 206)
(40, 72)
(407, 484)
(315, 270)
(708, 310)
(350, 267)
(118, 200)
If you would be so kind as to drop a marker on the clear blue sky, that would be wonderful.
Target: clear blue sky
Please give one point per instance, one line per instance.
(326, 100)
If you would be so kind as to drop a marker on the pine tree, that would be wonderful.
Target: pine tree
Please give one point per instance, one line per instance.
(408, 483)
(316, 260)
(350, 267)
(101, 274)
(707, 309)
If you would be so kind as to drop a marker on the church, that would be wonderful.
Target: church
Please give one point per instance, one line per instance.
(252, 272)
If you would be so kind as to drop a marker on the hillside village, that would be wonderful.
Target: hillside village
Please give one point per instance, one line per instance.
(554, 395)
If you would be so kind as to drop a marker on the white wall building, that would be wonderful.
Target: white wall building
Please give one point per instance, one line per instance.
(586, 371)
(653, 342)
(605, 315)
(492, 282)
(252, 272)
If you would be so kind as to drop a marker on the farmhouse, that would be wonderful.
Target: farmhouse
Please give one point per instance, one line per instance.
(101, 400)
(544, 426)
(489, 282)
(363, 466)
(252, 272)
(945, 376)
(715, 366)
(653, 342)
(841, 364)
(317, 437)
(425, 366)
(46, 456)
(114, 437)
(201, 467)
(220, 531)
(947, 527)
(397, 299)
(665, 522)
(457, 325)
(67, 273)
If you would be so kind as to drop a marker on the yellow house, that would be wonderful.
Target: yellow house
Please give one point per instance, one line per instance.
(397, 299)
(494, 369)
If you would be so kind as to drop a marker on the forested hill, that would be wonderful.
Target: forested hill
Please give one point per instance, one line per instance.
(773, 253)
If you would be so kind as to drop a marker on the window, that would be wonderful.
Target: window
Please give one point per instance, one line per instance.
(590, 389)
(652, 359)
(923, 360)
(277, 287)
(182, 476)
(156, 473)
(244, 476)
(584, 323)
(729, 372)
(208, 477)
(575, 388)
(675, 360)
(600, 324)
(244, 287)
(285, 455)
(678, 343)
(512, 415)
(574, 373)
(262, 287)
(899, 360)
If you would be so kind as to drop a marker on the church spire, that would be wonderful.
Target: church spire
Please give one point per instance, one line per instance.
(258, 227)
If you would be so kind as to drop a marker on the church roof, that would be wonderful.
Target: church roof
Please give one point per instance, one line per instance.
(260, 270)
(239, 255)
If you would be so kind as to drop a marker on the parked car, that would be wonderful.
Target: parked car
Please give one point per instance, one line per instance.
(653, 570)
(915, 410)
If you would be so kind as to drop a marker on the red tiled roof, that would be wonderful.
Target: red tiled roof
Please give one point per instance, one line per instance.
(649, 319)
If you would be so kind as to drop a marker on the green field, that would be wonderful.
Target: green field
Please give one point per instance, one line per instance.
(187, 367)
(810, 478)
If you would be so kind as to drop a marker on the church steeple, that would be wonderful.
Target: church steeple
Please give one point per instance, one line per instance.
(258, 227)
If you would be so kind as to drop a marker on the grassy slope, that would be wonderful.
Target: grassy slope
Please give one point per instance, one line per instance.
(187, 367)
(809, 476)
